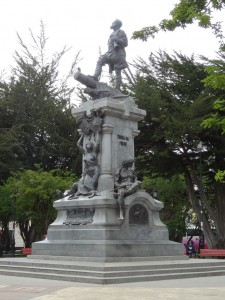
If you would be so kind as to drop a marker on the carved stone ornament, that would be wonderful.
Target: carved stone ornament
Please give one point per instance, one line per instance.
(79, 216)
(91, 124)
(138, 215)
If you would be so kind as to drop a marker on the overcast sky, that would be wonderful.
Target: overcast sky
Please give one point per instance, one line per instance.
(84, 25)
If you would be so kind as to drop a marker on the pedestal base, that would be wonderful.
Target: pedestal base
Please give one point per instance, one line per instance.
(91, 228)
(107, 249)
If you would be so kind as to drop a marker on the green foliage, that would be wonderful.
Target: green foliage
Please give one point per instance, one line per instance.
(9, 151)
(216, 119)
(145, 33)
(6, 205)
(216, 81)
(172, 91)
(35, 113)
(172, 192)
(33, 193)
(185, 13)
(220, 176)
(216, 74)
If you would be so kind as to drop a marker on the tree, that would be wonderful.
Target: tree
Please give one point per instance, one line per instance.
(216, 80)
(9, 151)
(10, 144)
(172, 192)
(6, 214)
(31, 193)
(185, 13)
(36, 122)
(172, 91)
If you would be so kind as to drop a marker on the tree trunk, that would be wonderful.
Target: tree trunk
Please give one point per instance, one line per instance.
(212, 215)
(6, 236)
(27, 233)
(220, 214)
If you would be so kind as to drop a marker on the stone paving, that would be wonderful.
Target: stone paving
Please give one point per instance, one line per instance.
(22, 292)
(18, 288)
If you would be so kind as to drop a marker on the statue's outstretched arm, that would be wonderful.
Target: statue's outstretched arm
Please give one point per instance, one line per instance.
(80, 144)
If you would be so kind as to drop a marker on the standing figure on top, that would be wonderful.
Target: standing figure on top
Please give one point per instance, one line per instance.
(115, 57)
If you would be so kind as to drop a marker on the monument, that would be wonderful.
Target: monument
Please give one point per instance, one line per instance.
(106, 215)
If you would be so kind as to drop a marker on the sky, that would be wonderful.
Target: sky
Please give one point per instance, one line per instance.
(84, 25)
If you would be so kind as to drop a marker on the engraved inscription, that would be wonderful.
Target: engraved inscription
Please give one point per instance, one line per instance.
(122, 137)
(79, 216)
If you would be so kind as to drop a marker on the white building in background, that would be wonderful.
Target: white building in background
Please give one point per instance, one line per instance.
(18, 239)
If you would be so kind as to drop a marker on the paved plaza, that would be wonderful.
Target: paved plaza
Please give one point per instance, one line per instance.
(19, 288)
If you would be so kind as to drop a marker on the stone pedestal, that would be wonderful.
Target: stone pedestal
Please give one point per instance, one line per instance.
(89, 227)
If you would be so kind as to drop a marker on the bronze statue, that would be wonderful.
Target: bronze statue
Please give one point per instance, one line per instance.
(125, 184)
(97, 90)
(88, 183)
(115, 57)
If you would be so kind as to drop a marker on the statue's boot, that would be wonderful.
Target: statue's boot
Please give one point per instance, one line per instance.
(98, 72)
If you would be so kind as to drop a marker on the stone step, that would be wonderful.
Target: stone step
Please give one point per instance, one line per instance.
(61, 277)
(116, 266)
(124, 259)
(110, 273)
(113, 280)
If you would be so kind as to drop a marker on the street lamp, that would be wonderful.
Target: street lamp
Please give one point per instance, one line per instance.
(200, 148)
